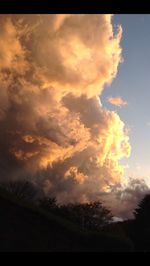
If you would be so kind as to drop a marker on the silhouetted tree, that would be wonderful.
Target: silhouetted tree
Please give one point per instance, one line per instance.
(23, 190)
(89, 216)
(142, 212)
(140, 233)
(49, 204)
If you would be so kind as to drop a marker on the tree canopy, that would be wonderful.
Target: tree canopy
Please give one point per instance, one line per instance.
(142, 212)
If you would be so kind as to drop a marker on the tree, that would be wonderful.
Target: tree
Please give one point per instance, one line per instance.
(89, 216)
(23, 190)
(142, 212)
(48, 204)
(141, 225)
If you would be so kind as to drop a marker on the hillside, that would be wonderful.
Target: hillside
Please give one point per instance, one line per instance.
(25, 228)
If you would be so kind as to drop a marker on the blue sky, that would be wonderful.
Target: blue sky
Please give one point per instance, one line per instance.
(133, 85)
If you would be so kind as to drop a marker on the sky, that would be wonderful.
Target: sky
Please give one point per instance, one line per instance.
(74, 106)
(133, 84)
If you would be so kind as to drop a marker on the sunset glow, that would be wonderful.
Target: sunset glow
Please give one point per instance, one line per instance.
(55, 124)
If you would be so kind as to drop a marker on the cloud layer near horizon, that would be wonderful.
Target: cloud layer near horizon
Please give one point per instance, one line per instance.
(53, 69)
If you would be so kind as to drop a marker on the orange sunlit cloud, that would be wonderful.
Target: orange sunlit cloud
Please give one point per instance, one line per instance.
(52, 73)
(117, 101)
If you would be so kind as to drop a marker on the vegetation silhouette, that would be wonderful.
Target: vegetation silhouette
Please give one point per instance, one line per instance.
(140, 231)
(142, 212)
(28, 224)
(49, 204)
(88, 216)
(23, 190)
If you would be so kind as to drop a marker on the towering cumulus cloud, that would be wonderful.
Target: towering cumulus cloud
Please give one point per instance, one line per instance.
(53, 69)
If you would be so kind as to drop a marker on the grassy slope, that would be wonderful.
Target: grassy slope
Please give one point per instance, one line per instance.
(28, 228)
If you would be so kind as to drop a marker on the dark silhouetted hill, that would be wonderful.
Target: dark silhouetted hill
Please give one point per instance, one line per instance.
(28, 228)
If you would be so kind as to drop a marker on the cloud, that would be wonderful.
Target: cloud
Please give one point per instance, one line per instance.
(125, 198)
(117, 101)
(12, 54)
(54, 128)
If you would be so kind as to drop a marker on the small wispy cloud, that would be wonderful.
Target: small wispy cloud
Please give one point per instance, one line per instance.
(117, 101)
